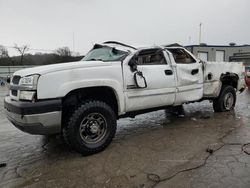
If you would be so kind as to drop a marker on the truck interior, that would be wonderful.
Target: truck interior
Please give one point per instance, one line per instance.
(181, 56)
(151, 57)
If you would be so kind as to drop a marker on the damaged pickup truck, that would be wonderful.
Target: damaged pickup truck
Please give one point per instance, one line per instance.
(83, 100)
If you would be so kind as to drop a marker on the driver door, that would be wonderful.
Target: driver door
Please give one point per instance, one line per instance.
(160, 78)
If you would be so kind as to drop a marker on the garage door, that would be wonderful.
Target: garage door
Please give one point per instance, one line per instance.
(220, 56)
(203, 56)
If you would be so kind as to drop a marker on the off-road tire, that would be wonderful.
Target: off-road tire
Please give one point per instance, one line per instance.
(219, 102)
(71, 132)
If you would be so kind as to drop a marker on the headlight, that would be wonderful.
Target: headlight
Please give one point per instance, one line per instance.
(30, 81)
(27, 80)
(27, 87)
(27, 95)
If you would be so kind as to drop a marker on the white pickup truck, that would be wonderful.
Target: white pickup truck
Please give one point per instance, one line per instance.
(82, 100)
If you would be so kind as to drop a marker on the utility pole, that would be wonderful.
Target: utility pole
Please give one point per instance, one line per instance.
(73, 43)
(189, 40)
(200, 34)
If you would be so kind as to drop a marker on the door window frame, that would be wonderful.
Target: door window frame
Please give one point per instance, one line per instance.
(165, 62)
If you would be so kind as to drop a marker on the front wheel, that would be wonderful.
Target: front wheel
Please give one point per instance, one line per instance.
(226, 100)
(91, 127)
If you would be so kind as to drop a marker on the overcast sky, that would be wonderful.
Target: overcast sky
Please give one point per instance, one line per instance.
(49, 24)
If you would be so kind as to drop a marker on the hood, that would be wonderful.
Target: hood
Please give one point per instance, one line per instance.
(45, 69)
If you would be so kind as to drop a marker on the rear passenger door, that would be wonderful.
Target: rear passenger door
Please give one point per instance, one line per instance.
(189, 76)
(161, 86)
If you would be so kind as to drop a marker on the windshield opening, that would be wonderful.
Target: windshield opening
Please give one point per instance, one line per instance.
(105, 53)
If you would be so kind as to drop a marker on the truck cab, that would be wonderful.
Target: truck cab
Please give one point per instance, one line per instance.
(173, 77)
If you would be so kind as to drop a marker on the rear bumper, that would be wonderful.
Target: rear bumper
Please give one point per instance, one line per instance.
(41, 118)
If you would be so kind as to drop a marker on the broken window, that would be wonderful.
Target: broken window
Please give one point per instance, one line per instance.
(151, 57)
(181, 56)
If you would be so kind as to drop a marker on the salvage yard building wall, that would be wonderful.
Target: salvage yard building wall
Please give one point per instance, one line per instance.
(216, 52)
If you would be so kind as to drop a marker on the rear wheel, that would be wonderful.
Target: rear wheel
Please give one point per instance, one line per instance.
(226, 100)
(91, 127)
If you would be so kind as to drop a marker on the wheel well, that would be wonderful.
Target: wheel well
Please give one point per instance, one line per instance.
(71, 101)
(230, 79)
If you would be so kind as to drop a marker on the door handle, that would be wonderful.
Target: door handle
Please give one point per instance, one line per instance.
(168, 72)
(194, 71)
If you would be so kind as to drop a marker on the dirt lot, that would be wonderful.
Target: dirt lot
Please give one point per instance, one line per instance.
(152, 150)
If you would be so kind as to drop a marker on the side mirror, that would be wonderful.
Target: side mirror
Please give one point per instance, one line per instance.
(133, 64)
(140, 80)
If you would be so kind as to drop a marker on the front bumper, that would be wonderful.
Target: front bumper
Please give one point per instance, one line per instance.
(43, 117)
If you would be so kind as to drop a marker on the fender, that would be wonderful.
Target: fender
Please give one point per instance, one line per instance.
(69, 86)
(80, 84)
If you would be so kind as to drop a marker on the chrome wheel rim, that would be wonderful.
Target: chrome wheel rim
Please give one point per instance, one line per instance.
(93, 128)
(228, 101)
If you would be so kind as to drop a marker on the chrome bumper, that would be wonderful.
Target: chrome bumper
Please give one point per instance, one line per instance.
(34, 118)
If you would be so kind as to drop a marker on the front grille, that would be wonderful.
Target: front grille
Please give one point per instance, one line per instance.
(14, 92)
(16, 79)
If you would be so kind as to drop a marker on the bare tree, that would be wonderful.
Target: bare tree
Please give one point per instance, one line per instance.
(76, 54)
(64, 51)
(3, 52)
(21, 50)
